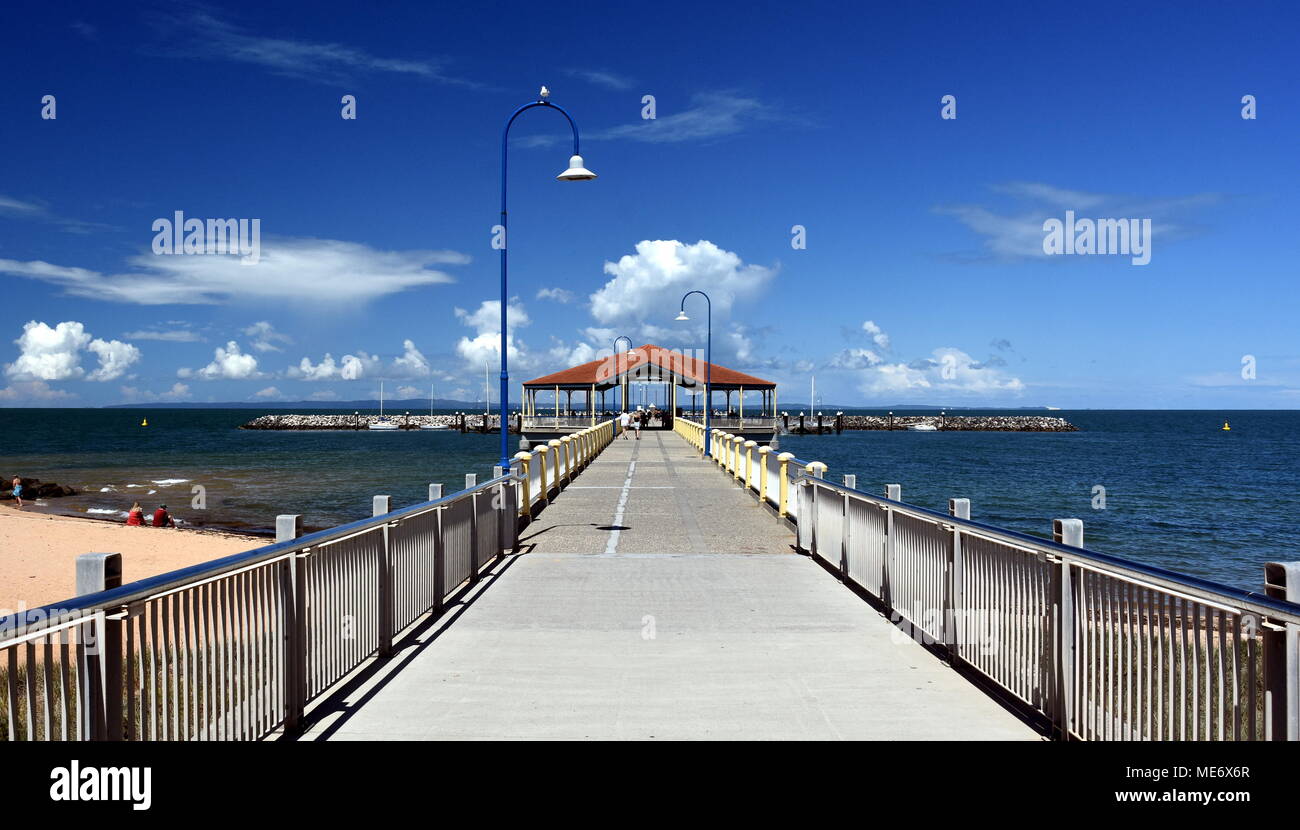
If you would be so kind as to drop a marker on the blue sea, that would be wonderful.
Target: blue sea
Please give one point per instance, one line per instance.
(1180, 492)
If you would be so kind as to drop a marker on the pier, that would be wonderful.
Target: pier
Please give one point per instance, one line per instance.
(605, 587)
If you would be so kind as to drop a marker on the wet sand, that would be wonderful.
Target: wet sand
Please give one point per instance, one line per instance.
(38, 552)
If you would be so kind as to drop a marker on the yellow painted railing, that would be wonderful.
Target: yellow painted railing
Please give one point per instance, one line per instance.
(553, 465)
(754, 467)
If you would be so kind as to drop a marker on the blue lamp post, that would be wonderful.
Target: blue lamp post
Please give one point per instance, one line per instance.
(708, 365)
(577, 172)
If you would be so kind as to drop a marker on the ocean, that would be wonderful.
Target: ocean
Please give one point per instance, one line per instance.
(1180, 492)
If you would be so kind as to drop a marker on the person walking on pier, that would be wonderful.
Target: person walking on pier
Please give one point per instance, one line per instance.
(624, 421)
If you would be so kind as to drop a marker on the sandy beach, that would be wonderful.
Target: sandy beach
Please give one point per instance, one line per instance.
(38, 552)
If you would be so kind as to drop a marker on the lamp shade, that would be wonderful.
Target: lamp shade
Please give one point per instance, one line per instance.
(576, 172)
(682, 316)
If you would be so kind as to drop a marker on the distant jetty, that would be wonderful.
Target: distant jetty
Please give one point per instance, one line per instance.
(460, 422)
(822, 424)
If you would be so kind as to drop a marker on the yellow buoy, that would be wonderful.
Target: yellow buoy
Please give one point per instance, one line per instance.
(1226, 427)
(145, 423)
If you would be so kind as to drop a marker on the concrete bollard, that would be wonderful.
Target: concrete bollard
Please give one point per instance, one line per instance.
(471, 480)
(817, 469)
(959, 508)
(1068, 532)
(288, 526)
(783, 477)
(763, 453)
(379, 505)
(851, 481)
(98, 572)
(435, 492)
(894, 492)
(100, 715)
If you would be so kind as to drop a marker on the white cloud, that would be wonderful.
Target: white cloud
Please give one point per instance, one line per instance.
(36, 390)
(409, 392)
(324, 272)
(178, 392)
(650, 283)
(47, 354)
(270, 393)
(351, 367)
(264, 337)
(947, 370)
(600, 77)
(115, 357)
(485, 346)
(318, 61)
(171, 336)
(877, 335)
(228, 363)
(559, 295)
(323, 395)
(412, 363)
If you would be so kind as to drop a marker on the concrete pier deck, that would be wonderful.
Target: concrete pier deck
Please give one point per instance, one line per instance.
(655, 600)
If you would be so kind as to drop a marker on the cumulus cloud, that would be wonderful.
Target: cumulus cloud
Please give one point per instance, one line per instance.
(324, 272)
(228, 363)
(264, 337)
(270, 393)
(653, 279)
(877, 335)
(485, 345)
(409, 392)
(166, 335)
(411, 363)
(47, 354)
(946, 369)
(351, 367)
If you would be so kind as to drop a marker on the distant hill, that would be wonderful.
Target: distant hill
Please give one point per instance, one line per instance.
(904, 407)
(413, 404)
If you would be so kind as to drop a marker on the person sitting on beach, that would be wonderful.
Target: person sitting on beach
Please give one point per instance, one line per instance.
(135, 516)
(18, 491)
(161, 518)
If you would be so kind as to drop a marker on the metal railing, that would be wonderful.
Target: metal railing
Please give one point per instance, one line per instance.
(550, 466)
(1102, 648)
(237, 648)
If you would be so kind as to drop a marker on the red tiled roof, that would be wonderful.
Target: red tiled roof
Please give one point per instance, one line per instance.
(606, 371)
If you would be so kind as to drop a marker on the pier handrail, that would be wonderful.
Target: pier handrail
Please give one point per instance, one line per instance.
(1256, 601)
(240, 647)
(77, 608)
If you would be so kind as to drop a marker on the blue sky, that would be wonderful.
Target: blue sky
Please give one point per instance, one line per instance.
(923, 279)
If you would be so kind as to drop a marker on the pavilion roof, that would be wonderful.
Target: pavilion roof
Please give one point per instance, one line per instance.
(606, 372)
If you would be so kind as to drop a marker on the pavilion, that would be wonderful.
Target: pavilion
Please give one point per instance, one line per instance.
(671, 381)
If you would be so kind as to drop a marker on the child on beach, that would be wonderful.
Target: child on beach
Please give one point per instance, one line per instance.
(18, 491)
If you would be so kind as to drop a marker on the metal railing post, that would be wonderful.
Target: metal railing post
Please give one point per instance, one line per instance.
(544, 492)
(894, 492)
(435, 492)
(1067, 532)
(525, 501)
(380, 506)
(1282, 658)
(293, 602)
(783, 507)
(763, 453)
(749, 462)
(99, 703)
(955, 619)
(557, 463)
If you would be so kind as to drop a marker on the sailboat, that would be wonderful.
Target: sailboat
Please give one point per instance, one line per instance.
(382, 423)
(431, 424)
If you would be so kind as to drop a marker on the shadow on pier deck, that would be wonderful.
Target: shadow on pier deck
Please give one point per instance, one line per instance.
(653, 599)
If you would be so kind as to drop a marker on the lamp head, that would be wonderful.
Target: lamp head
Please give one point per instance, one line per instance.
(682, 315)
(576, 172)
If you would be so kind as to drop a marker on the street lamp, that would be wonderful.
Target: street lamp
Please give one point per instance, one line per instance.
(631, 352)
(576, 172)
(708, 364)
